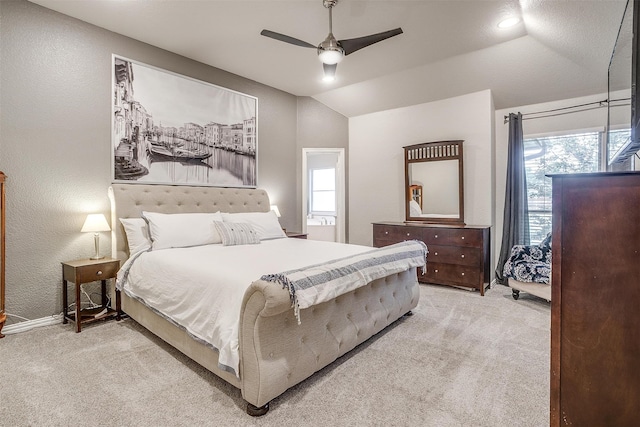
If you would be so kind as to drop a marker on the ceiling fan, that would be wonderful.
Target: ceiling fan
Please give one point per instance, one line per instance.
(332, 51)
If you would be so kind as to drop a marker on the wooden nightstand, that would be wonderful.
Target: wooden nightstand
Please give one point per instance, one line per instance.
(295, 235)
(85, 271)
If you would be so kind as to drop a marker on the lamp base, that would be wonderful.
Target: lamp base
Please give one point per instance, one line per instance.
(96, 242)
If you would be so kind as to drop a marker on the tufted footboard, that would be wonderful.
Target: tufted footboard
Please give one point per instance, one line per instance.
(277, 353)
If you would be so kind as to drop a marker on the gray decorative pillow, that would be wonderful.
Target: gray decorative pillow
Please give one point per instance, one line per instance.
(236, 233)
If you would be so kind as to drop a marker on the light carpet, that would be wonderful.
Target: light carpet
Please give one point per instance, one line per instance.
(460, 360)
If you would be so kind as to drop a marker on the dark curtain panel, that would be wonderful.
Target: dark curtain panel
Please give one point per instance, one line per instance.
(515, 228)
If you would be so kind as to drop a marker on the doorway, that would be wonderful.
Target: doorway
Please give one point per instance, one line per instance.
(323, 194)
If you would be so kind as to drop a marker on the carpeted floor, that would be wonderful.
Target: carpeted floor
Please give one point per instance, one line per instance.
(460, 360)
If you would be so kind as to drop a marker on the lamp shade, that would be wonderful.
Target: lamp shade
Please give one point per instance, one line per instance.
(95, 223)
(275, 209)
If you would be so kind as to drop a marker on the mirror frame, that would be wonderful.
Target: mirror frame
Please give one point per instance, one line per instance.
(433, 152)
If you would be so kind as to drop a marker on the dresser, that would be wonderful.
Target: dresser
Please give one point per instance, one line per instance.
(458, 255)
(595, 315)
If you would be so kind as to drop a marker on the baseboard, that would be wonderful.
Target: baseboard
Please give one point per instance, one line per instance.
(30, 324)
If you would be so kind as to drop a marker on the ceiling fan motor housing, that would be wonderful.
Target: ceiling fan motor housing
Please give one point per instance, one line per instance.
(330, 51)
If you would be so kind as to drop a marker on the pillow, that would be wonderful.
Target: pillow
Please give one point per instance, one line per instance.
(237, 233)
(137, 234)
(265, 223)
(182, 230)
(414, 208)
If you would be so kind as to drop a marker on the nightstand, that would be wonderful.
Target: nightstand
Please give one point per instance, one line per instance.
(295, 235)
(86, 271)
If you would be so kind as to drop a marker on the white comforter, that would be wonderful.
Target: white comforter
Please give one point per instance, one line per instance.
(201, 288)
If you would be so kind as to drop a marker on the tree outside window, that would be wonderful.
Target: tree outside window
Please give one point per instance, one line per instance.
(574, 153)
(617, 138)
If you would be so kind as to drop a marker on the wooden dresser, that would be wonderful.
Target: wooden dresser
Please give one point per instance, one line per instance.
(458, 255)
(595, 314)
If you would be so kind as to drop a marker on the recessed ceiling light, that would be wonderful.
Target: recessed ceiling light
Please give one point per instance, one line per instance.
(509, 22)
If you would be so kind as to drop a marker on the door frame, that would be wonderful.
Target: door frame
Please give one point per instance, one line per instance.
(340, 189)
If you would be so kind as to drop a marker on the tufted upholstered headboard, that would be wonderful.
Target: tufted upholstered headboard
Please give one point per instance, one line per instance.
(129, 200)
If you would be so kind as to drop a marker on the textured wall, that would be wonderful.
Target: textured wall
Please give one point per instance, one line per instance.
(55, 98)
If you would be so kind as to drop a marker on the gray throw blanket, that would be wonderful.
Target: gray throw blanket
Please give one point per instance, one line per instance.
(322, 282)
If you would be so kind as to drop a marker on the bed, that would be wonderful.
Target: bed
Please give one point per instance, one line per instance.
(277, 347)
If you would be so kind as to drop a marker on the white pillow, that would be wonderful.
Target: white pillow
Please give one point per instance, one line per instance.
(265, 223)
(182, 230)
(414, 208)
(137, 234)
(237, 233)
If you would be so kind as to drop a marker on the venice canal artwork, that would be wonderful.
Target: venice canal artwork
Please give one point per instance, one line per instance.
(158, 136)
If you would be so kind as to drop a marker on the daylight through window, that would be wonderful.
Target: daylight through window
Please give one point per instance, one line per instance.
(555, 154)
(323, 191)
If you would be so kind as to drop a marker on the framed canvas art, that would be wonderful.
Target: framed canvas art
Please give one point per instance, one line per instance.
(176, 130)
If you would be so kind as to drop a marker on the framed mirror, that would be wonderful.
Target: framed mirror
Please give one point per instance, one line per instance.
(434, 184)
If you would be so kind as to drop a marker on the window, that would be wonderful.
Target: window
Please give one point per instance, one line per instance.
(322, 183)
(617, 138)
(573, 153)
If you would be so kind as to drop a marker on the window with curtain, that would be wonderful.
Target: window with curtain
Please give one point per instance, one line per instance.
(322, 183)
(572, 153)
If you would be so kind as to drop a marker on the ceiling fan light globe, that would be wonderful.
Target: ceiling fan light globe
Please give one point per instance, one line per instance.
(330, 56)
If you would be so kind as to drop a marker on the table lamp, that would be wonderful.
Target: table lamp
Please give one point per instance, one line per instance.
(96, 223)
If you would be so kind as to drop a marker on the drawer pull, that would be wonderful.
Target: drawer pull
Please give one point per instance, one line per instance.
(436, 236)
(99, 273)
(386, 232)
(463, 274)
(462, 237)
(462, 256)
(436, 271)
(436, 253)
(408, 234)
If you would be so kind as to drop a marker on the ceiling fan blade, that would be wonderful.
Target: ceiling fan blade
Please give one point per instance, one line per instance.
(286, 39)
(353, 45)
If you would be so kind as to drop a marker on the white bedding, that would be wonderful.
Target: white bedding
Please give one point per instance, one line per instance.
(201, 288)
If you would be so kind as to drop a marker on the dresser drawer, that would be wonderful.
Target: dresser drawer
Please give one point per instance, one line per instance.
(384, 235)
(397, 233)
(460, 255)
(452, 237)
(451, 274)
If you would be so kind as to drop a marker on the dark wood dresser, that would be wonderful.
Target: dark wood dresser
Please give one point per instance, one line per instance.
(595, 304)
(458, 255)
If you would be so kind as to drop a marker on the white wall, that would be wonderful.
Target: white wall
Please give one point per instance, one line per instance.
(590, 119)
(376, 165)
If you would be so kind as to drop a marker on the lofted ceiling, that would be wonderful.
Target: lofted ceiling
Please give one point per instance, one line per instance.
(560, 49)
